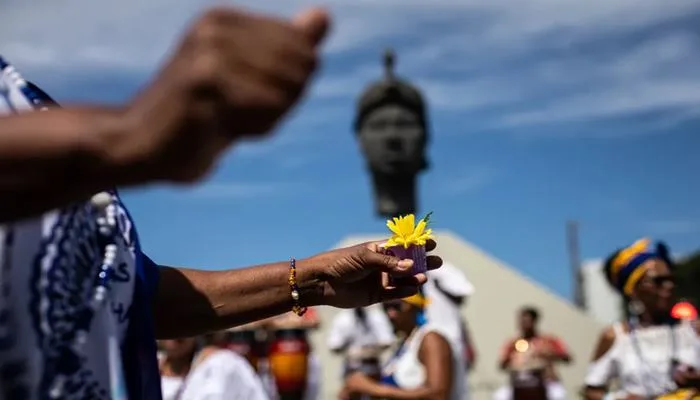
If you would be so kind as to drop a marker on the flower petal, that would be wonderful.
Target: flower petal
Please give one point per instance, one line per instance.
(419, 228)
(393, 227)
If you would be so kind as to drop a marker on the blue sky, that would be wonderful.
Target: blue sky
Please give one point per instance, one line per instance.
(542, 110)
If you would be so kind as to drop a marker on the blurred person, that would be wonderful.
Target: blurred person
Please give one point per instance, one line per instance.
(208, 373)
(92, 303)
(448, 290)
(530, 359)
(425, 364)
(360, 335)
(650, 354)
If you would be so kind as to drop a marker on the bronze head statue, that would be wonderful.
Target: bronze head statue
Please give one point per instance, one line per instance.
(392, 127)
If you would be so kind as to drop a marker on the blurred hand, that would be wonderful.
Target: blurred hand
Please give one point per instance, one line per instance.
(357, 383)
(234, 75)
(687, 377)
(358, 276)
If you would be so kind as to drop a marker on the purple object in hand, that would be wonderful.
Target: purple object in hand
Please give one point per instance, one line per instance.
(415, 253)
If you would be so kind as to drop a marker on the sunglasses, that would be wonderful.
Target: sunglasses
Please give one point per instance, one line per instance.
(660, 280)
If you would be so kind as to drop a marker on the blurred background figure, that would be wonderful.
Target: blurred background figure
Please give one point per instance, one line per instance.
(193, 372)
(286, 361)
(448, 290)
(360, 335)
(530, 359)
(650, 354)
(424, 366)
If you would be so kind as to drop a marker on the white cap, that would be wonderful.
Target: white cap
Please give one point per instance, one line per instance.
(452, 280)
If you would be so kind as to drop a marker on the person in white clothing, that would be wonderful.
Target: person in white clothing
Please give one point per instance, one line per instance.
(448, 290)
(361, 335)
(651, 354)
(211, 373)
(424, 366)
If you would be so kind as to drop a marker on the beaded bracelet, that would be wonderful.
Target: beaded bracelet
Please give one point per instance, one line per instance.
(296, 307)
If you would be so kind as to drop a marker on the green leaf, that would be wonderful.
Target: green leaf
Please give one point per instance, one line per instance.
(427, 218)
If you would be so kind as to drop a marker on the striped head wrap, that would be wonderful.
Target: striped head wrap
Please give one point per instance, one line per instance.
(625, 268)
(419, 300)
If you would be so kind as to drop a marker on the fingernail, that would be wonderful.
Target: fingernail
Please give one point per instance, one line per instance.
(406, 264)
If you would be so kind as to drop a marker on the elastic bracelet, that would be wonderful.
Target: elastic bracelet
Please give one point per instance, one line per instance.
(297, 308)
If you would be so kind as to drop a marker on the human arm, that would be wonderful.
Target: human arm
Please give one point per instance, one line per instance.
(214, 300)
(506, 355)
(469, 347)
(435, 354)
(601, 368)
(555, 350)
(175, 129)
(190, 302)
(52, 158)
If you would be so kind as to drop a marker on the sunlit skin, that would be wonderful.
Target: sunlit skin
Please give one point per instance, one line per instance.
(655, 290)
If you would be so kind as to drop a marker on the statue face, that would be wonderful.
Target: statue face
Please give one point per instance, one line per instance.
(393, 140)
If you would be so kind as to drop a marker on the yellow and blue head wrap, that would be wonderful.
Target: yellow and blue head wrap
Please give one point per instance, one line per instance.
(625, 268)
(418, 300)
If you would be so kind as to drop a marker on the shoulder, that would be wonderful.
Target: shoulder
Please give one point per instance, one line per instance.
(434, 342)
(606, 340)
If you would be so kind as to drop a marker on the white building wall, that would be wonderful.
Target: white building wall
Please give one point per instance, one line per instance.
(602, 302)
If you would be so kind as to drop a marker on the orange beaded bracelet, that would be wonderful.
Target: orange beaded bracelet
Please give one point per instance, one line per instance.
(297, 308)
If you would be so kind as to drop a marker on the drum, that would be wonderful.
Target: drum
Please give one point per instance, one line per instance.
(243, 342)
(288, 357)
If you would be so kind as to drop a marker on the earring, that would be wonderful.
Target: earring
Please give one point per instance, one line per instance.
(635, 307)
(421, 318)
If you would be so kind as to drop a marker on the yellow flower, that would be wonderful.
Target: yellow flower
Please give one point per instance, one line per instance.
(406, 233)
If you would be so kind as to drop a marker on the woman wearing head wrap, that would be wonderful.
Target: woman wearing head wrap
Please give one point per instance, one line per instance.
(651, 355)
(425, 365)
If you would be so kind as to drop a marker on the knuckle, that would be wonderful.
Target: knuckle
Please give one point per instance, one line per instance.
(204, 68)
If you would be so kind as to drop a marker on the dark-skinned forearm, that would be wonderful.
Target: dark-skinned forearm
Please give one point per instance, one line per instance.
(214, 300)
(52, 158)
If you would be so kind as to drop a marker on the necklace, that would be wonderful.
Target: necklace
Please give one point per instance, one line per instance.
(104, 210)
(649, 375)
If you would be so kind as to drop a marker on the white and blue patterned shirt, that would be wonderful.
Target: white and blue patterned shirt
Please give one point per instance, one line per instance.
(48, 272)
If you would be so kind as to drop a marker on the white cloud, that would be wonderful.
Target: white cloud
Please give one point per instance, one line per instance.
(528, 63)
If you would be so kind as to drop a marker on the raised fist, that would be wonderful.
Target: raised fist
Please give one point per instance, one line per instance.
(234, 75)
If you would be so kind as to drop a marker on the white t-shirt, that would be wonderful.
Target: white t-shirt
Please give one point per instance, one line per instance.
(442, 311)
(348, 332)
(49, 266)
(223, 375)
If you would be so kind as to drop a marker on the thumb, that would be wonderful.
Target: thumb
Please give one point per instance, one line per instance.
(314, 22)
(388, 263)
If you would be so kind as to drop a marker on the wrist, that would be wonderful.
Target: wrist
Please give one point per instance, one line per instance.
(311, 283)
(110, 143)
